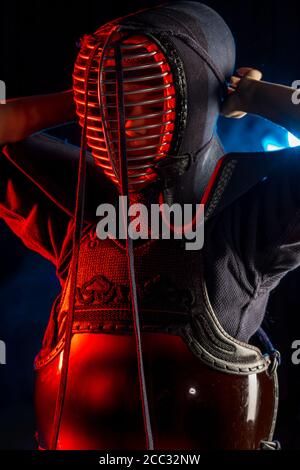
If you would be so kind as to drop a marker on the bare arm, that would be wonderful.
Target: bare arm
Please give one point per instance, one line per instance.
(21, 117)
(270, 100)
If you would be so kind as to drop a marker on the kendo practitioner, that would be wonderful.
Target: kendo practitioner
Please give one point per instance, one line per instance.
(150, 345)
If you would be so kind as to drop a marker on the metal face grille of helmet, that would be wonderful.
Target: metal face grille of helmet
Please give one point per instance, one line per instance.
(149, 103)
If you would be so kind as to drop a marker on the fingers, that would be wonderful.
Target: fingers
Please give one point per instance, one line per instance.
(243, 72)
(238, 90)
(230, 90)
(249, 72)
(234, 81)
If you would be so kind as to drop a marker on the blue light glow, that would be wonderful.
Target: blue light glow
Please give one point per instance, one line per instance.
(292, 140)
(270, 143)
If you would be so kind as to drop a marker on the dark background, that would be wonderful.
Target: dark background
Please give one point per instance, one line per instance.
(37, 52)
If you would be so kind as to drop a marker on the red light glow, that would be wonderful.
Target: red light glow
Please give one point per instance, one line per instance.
(149, 100)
